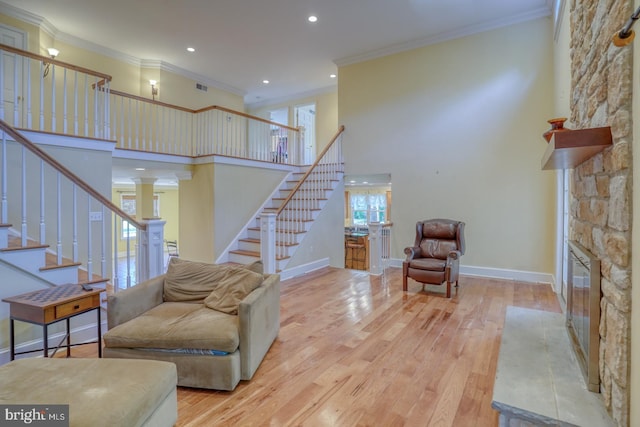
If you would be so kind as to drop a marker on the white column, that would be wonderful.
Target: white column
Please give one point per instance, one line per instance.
(268, 241)
(150, 257)
(375, 248)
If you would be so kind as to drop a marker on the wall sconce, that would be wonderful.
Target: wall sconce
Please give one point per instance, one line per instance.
(154, 89)
(52, 53)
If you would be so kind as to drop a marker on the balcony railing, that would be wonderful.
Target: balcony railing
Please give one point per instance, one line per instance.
(77, 101)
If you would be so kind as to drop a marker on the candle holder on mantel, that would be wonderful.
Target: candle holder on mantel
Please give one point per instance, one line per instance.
(557, 125)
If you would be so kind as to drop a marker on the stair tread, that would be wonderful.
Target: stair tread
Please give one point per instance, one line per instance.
(21, 248)
(252, 254)
(63, 265)
(278, 230)
(250, 240)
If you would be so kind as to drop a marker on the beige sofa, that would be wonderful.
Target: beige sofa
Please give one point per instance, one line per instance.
(215, 322)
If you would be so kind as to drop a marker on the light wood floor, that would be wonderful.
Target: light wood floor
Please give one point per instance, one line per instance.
(354, 350)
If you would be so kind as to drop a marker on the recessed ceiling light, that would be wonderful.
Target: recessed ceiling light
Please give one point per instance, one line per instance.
(333, 76)
(313, 18)
(265, 82)
(140, 169)
(190, 49)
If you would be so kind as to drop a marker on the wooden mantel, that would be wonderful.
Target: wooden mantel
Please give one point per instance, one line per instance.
(568, 149)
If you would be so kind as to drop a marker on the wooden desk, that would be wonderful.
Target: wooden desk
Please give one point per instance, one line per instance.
(52, 305)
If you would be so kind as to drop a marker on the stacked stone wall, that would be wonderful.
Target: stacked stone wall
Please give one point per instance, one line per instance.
(600, 213)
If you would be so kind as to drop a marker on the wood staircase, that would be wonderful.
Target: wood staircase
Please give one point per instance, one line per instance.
(291, 221)
(36, 259)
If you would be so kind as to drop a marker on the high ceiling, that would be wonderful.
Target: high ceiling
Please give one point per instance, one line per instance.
(240, 43)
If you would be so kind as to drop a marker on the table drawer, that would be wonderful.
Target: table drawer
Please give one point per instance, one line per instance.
(72, 307)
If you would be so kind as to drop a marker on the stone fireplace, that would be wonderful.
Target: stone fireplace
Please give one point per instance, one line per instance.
(600, 213)
(583, 311)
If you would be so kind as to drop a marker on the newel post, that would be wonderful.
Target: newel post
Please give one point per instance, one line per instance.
(268, 241)
(375, 248)
(150, 259)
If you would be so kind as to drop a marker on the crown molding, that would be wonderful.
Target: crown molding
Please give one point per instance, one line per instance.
(99, 49)
(444, 36)
(29, 18)
(165, 66)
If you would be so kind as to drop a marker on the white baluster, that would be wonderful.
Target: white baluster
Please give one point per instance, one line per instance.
(96, 114)
(23, 228)
(74, 223)
(3, 211)
(130, 115)
(16, 92)
(75, 103)
(128, 254)
(89, 241)
(137, 122)
(59, 218)
(107, 110)
(41, 78)
(86, 105)
(144, 127)
(53, 98)
(116, 275)
(103, 248)
(42, 211)
(64, 103)
(28, 81)
(2, 85)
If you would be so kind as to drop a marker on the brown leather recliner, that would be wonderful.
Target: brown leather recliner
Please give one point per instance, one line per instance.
(435, 256)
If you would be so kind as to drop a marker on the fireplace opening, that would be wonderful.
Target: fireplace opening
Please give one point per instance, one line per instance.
(583, 311)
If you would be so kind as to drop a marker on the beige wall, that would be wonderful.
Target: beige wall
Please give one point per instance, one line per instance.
(326, 114)
(239, 192)
(458, 126)
(196, 215)
(168, 198)
(179, 90)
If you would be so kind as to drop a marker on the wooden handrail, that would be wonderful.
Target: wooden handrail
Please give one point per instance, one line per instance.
(48, 60)
(306, 175)
(18, 137)
(249, 116)
(150, 101)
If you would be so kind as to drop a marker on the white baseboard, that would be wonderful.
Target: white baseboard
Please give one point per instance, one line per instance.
(81, 334)
(508, 274)
(498, 273)
(304, 269)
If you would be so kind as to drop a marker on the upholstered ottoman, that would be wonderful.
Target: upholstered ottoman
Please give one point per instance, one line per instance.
(99, 392)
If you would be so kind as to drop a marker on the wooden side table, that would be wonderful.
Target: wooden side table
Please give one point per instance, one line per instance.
(52, 305)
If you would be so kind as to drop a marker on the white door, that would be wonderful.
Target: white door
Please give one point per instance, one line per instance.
(305, 116)
(11, 107)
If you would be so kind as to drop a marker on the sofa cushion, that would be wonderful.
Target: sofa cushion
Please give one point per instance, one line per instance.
(232, 289)
(191, 281)
(174, 325)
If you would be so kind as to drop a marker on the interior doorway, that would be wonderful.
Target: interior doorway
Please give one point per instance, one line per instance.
(367, 200)
(305, 118)
(12, 91)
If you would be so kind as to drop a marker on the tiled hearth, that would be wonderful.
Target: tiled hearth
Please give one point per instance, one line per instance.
(538, 380)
